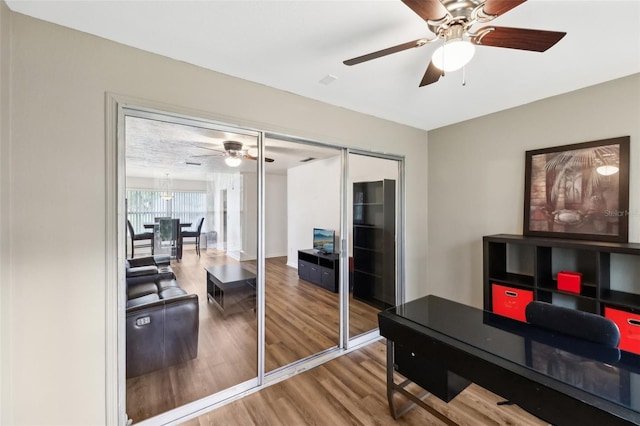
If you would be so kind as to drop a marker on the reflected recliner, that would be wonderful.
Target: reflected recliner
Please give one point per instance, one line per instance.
(161, 318)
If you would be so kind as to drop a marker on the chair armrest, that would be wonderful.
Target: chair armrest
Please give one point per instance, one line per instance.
(142, 274)
(162, 259)
(140, 271)
(161, 333)
(142, 261)
(181, 328)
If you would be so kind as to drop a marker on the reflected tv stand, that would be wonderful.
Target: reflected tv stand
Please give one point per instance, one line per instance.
(321, 269)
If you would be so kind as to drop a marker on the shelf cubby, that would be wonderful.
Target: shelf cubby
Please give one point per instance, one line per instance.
(569, 300)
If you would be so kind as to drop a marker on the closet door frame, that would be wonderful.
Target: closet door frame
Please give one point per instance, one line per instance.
(116, 107)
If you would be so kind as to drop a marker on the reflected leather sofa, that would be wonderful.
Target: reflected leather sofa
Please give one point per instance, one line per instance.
(161, 318)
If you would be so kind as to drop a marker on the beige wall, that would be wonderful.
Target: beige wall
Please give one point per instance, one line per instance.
(5, 291)
(476, 174)
(57, 287)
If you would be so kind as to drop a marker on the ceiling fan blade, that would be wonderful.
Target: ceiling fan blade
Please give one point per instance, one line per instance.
(429, 10)
(499, 7)
(251, 157)
(387, 51)
(432, 75)
(208, 155)
(208, 148)
(517, 38)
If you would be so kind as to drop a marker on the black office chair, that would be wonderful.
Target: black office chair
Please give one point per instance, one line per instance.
(194, 234)
(139, 237)
(572, 322)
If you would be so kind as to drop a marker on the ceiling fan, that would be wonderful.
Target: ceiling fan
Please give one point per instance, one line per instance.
(233, 153)
(451, 20)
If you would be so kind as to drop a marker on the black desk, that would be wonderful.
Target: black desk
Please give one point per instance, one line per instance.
(442, 345)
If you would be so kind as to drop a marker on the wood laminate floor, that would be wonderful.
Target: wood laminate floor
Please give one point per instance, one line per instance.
(351, 390)
(301, 320)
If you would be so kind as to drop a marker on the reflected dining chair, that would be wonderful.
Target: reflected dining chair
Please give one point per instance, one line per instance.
(194, 234)
(139, 237)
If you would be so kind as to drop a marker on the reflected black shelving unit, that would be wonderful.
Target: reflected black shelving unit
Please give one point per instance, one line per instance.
(374, 222)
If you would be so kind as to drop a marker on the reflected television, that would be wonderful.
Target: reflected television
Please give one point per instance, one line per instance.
(324, 240)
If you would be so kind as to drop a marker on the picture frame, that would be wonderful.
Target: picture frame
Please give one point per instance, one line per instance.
(578, 191)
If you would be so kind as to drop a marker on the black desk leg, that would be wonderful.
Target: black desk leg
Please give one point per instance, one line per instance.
(390, 382)
(393, 387)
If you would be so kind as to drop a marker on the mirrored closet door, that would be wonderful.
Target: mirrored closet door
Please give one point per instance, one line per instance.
(373, 245)
(302, 256)
(191, 325)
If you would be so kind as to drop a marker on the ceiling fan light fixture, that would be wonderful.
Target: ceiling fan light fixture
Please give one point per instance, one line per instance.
(233, 161)
(607, 170)
(453, 55)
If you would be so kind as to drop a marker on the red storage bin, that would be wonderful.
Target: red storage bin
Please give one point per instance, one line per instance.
(510, 302)
(569, 281)
(629, 325)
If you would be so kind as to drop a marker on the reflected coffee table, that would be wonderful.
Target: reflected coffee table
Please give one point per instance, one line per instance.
(231, 288)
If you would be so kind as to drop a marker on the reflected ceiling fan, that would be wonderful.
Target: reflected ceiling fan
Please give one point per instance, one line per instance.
(233, 153)
(451, 20)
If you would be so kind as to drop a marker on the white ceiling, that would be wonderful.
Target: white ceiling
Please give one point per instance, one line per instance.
(292, 45)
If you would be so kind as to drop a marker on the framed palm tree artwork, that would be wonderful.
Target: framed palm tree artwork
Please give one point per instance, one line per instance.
(578, 191)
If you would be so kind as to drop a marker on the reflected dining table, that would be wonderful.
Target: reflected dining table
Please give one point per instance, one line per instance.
(178, 239)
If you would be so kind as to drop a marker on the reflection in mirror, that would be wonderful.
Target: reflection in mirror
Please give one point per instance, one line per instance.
(302, 193)
(372, 240)
(191, 327)
(192, 194)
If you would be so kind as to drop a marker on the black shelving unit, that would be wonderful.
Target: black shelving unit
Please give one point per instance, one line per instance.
(374, 222)
(610, 272)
